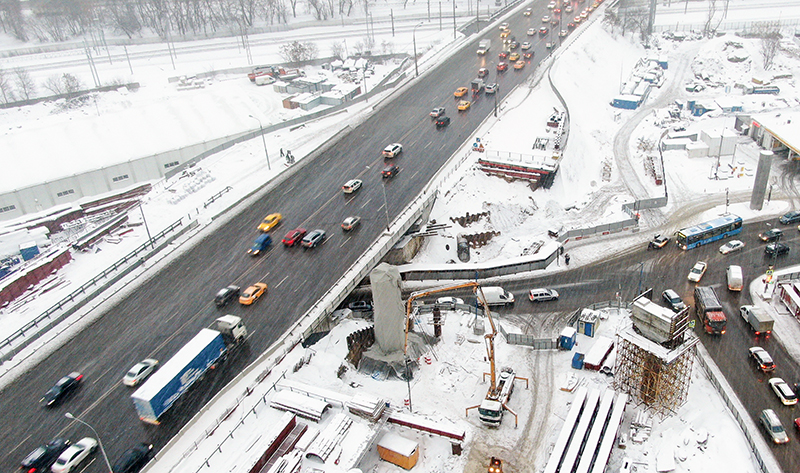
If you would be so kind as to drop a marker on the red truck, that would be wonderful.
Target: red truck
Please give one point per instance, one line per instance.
(709, 310)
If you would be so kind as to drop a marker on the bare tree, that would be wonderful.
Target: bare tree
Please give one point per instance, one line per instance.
(710, 27)
(770, 34)
(293, 3)
(123, 17)
(297, 51)
(636, 20)
(5, 86)
(318, 8)
(337, 50)
(11, 19)
(25, 83)
(346, 7)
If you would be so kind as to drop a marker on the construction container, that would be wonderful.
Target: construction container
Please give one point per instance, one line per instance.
(398, 450)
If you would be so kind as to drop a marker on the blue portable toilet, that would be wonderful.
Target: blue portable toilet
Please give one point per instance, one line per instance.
(577, 361)
(588, 322)
(568, 338)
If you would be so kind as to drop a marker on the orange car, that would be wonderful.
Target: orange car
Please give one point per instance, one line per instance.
(519, 64)
(253, 293)
(460, 92)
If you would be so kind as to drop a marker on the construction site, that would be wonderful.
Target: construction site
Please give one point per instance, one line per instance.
(425, 383)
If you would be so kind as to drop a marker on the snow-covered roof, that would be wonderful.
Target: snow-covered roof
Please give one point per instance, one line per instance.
(398, 444)
(783, 125)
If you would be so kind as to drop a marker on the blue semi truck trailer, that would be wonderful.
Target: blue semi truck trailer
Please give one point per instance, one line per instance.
(188, 365)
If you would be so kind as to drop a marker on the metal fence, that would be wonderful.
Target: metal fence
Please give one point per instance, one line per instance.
(87, 291)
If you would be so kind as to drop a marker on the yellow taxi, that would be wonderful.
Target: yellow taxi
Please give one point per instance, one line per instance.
(460, 92)
(519, 64)
(464, 105)
(253, 293)
(270, 221)
(513, 57)
(505, 33)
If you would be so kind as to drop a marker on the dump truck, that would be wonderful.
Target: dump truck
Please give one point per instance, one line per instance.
(483, 46)
(760, 321)
(188, 365)
(709, 310)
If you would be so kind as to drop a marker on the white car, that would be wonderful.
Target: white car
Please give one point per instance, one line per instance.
(531, 31)
(392, 150)
(697, 272)
(546, 19)
(503, 26)
(449, 302)
(139, 372)
(74, 455)
(551, 5)
(783, 391)
(351, 186)
(731, 246)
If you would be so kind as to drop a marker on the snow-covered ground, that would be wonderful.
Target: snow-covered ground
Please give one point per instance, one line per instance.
(587, 72)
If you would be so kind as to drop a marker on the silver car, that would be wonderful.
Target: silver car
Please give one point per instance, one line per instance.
(139, 372)
(773, 425)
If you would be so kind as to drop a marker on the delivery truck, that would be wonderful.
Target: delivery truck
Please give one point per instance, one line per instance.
(483, 46)
(188, 365)
(760, 321)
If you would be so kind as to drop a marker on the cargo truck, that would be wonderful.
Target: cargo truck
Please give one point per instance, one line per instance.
(760, 321)
(477, 86)
(709, 310)
(189, 364)
(483, 46)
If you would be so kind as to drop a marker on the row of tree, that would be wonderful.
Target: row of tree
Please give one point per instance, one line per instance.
(60, 20)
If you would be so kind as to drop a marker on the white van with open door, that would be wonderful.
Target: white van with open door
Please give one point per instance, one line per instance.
(735, 279)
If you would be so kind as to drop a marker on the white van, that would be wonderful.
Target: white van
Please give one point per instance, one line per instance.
(735, 279)
(497, 296)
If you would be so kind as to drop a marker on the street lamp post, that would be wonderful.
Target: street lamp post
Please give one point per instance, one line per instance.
(149, 238)
(263, 140)
(414, 39)
(102, 450)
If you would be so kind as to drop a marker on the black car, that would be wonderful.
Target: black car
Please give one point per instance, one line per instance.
(43, 457)
(133, 459)
(360, 306)
(226, 295)
(63, 387)
(390, 171)
(776, 249)
(442, 121)
(773, 234)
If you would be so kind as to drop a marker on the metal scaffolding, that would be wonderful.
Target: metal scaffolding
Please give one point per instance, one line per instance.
(652, 375)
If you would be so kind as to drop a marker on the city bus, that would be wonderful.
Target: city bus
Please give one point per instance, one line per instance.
(707, 232)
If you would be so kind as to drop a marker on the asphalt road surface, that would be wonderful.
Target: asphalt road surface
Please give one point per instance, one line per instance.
(668, 269)
(170, 307)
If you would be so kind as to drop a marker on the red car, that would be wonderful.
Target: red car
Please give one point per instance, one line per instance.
(502, 66)
(293, 237)
(503, 55)
(543, 30)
